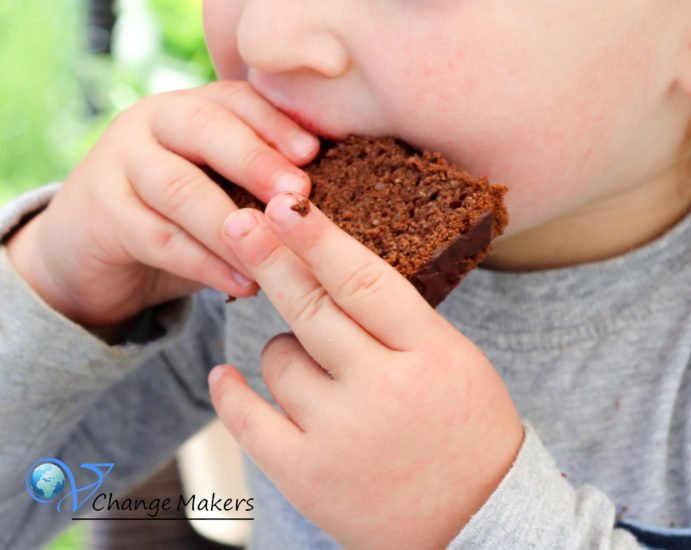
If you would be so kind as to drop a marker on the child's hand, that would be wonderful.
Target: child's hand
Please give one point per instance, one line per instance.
(404, 431)
(138, 223)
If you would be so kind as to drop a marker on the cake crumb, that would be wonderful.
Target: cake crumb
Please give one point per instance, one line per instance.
(564, 475)
(302, 207)
(617, 403)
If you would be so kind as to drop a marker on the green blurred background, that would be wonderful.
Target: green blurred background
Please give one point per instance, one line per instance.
(59, 91)
(64, 78)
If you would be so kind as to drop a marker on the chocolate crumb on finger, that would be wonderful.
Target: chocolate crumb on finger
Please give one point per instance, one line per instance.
(302, 207)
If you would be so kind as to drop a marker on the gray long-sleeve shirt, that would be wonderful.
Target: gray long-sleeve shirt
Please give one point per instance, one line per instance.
(596, 358)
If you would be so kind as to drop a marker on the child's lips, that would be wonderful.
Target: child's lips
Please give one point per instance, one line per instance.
(266, 86)
(309, 125)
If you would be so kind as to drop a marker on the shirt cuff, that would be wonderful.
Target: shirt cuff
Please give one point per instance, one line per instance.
(535, 506)
(36, 334)
(21, 209)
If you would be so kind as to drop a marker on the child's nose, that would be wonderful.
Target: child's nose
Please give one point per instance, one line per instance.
(279, 36)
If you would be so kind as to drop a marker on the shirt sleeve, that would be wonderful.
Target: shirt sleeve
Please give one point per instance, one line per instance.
(535, 506)
(68, 395)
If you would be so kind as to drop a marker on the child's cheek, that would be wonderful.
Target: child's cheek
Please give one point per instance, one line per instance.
(549, 126)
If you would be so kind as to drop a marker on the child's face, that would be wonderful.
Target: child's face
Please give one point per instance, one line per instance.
(566, 102)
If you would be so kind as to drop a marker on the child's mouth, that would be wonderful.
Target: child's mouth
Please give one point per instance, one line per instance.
(310, 125)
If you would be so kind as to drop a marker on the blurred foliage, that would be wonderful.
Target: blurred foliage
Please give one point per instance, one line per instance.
(74, 539)
(41, 110)
(51, 85)
(180, 23)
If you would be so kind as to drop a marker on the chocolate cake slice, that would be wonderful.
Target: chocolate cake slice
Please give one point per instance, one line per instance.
(430, 220)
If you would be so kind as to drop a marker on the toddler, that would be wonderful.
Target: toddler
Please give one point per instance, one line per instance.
(544, 404)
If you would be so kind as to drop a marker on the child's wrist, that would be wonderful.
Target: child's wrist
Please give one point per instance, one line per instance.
(25, 256)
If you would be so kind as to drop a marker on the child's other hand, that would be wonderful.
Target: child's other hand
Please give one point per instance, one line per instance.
(396, 428)
(138, 222)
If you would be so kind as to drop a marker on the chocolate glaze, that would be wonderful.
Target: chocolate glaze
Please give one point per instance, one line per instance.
(438, 277)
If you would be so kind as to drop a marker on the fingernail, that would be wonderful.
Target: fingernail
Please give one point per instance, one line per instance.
(240, 279)
(303, 144)
(289, 183)
(287, 208)
(239, 223)
(216, 374)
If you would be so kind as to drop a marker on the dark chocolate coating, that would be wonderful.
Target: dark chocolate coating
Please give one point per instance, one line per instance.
(449, 264)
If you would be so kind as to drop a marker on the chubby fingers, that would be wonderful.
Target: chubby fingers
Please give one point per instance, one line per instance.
(301, 388)
(299, 385)
(226, 126)
(363, 285)
(269, 123)
(269, 438)
(155, 240)
(179, 193)
(328, 334)
(211, 132)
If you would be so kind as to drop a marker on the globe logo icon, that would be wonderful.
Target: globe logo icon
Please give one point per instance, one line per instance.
(47, 480)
